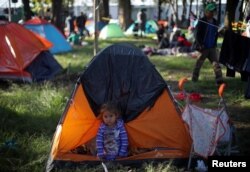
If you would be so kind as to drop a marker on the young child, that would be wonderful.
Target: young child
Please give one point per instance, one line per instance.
(111, 139)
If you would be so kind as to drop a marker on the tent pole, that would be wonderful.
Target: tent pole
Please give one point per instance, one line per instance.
(95, 27)
(9, 11)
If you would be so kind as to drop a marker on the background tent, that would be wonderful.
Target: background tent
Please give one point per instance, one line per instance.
(90, 26)
(151, 27)
(129, 30)
(111, 30)
(123, 74)
(44, 67)
(19, 47)
(50, 32)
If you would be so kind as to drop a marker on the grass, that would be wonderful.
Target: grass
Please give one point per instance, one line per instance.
(30, 112)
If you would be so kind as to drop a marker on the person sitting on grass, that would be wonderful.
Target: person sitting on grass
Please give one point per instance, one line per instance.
(74, 38)
(111, 139)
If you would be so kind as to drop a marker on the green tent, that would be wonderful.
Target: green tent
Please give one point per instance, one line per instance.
(112, 30)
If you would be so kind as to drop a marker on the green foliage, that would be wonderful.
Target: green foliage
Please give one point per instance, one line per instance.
(30, 112)
(40, 6)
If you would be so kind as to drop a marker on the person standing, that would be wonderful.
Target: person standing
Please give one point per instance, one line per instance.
(80, 22)
(142, 19)
(206, 42)
(69, 23)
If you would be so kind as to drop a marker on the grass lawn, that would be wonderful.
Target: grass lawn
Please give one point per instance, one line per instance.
(30, 112)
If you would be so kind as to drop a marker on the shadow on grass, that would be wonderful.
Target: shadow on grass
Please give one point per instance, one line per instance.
(17, 123)
(241, 119)
(24, 140)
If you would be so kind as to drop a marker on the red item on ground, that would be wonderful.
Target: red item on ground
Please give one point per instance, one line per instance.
(195, 97)
(180, 96)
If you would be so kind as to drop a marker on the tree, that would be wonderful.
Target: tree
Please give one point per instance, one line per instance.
(183, 22)
(124, 13)
(184, 10)
(57, 18)
(160, 2)
(190, 7)
(174, 5)
(219, 12)
(230, 13)
(104, 10)
(159, 9)
(26, 9)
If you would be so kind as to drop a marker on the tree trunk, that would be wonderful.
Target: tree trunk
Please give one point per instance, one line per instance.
(124, 14)
(189, 12)
(190, 8)
(159, 9)
(174, 5)
(184, 9)
(197, 8)
(241, 11)
(230, 13)
(104, 11)
(95, 12)
(57, 18)
(26, 9)
(219, 12)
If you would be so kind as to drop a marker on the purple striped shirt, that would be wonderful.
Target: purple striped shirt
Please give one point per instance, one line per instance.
(112, 141)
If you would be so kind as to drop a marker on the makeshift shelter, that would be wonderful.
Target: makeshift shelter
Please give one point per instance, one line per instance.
(51, 33)
(121, 73)
(151, 27)
(44, 67)
(162, 22)
(130, 29)
(90, 26)
(20, 49)
(111, 30)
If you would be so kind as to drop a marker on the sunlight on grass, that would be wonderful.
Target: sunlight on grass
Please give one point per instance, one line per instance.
(162, 167)
(41, 101)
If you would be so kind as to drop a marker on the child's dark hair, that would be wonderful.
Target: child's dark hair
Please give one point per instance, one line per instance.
(111, 107)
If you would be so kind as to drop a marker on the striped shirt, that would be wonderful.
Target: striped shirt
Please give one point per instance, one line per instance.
(112, 141)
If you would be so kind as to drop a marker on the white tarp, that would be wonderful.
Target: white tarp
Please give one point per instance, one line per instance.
(207, 127)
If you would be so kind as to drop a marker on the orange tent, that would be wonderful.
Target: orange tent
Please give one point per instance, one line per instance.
(163, 22)
(18, 48)
(121, 73)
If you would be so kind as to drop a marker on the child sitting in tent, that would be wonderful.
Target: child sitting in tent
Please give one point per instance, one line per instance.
(111, 139)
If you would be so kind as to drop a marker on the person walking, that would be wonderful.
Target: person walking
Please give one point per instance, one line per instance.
(80, 22)
(69, 23)
(142, 19)
(206, 42)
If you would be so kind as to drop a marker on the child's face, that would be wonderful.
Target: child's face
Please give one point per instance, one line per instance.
(109, 118)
